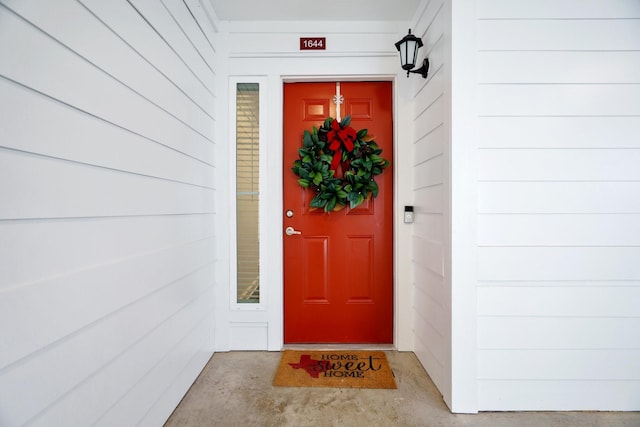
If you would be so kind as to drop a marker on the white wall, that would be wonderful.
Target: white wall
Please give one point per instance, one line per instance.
(107, 256)
(527, 288)
(431, 166)
(268, 52)
(558, 205)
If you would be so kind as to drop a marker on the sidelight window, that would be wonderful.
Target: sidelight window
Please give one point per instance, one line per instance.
(247, 193)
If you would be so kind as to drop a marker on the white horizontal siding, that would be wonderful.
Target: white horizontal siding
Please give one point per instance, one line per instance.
(432, 199)
(430, 162)
(430, 322)
(70, 134)
(57, 247)
(561, 394)
(570, 301)
(581, 197)
(559, 34)
(552, 165)
(432, 252)
(428, 121)
(91, 294)
(171, 27)
(572, 67)
(430, 145)
(430, 346)
(431, 93)
(131, 69)
(173, 374)
(522, 332)
(61, 363)
(551, 9)
(429, 173)
(143, 38)
(202, 45)
(559, 263)
(431, 226)
(558, 234)
(559, 230)
(91, 89)
(99, 193)
(559, 100)
(559, 132)
(560, 364)
(107, 253)
(99, 394)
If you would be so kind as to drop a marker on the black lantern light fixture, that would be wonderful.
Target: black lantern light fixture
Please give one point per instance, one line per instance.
(408, 48)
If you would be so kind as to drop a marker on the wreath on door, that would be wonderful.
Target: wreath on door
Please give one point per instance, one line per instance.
(339, 164)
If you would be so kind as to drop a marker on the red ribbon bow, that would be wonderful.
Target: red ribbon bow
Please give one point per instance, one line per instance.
(339, 137)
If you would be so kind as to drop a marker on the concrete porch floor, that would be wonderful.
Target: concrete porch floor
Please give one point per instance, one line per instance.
(235, 389)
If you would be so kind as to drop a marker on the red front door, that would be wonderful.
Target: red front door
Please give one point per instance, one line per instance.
(338, 272)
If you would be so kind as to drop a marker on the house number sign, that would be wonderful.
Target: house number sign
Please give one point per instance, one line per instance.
(313, 43)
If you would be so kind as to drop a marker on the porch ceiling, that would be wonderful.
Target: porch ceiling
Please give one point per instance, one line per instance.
(310, 10)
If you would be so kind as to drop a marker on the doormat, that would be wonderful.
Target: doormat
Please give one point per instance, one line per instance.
(338, 369)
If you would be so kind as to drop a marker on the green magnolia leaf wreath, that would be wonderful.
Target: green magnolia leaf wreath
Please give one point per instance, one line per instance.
(339, 164)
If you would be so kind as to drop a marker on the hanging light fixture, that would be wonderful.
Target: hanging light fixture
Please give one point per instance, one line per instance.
(408, 48)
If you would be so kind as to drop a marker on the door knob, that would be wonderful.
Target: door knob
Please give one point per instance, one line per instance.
(290, 231)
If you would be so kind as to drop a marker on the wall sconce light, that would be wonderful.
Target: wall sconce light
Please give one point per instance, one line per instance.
(408, 48)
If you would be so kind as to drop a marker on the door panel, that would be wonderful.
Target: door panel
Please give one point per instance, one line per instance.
(316, 280)
(338, 273)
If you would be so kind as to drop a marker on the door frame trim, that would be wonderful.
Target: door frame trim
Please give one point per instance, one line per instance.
(402, 319)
